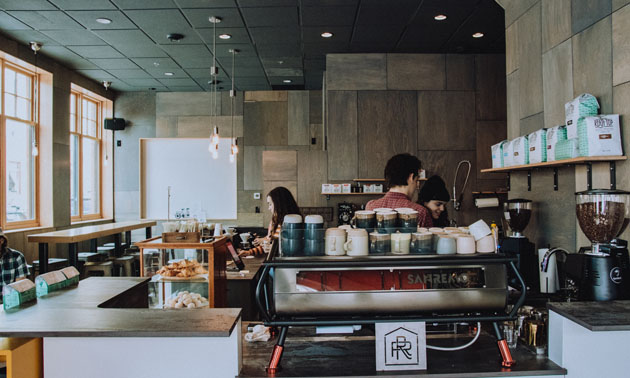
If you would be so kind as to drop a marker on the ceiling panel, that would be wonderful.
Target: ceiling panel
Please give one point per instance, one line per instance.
(187, 51)
(130, 74)
(486, 19)
(270, 16)
(141, 51)
(96, 51)
(114, 63)
(204, 73)
(313, 34)
(328, 3)
(284, 72)
(159, 35)
(383, 35)
(124, 37)
(275, 35)
(74, 37)
(98, 75)
(206, 3)
(46, 20)
(83, 4)
(150, 63)
(328, 16)
(88, 19)
(26, 5)
(190, 62)
(168, 20)
(178, 82)
(26, 36)
(144, 4)
(324, 48)
(143, 82)
(68, 58)
(267, 3)
(158, 73)
(239, 35)
(282, 61)
(245, 50)
(391, 12)
(8, 22)
(279, 80)
(272, 51)
(199, 18)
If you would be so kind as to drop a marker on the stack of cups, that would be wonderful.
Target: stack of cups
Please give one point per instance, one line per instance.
(292, 235)
(314, 235)
(483, 236)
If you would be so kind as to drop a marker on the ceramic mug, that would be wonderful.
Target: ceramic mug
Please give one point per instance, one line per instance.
(292, 226)
(466, 244)
(379, 243)
(291, 247)
(421, 242)
(479, 229)
(436, 238)
(364, 219)
(408, 218)
(313, 221)
(313, 247)
(386, 221)
(335, 239)
(400, 243)
(446, 245)
(357, 243)
(485, 244)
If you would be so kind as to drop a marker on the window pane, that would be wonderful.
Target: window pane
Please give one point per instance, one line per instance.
(20, 172)
(73, 104)
(92, 128)
(9, 81)
(91, 111)
(84, 126)
(73, 122)
(74, 175)
(23, 85)
(23, 109)
(9, 105)
(90, 176)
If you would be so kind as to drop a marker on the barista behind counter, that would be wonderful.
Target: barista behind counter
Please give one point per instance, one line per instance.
(401, 176)
(434, 196)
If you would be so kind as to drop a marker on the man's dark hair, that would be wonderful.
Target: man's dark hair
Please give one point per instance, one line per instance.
(399, 167)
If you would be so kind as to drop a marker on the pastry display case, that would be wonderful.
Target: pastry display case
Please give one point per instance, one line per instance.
(185, 275)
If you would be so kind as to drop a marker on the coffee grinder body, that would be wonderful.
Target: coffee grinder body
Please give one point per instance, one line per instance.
(527, 261)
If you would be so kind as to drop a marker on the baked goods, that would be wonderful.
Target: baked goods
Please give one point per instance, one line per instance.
(185, 299)
(182, 269)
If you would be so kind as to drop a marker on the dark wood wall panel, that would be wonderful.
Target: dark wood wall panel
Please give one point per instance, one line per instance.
(388, 126)
(489, 133)
(312, 173)
(460, 72)
(265, 123)
(342, 135)
(298, 118)
(490, 80)
(446, 120)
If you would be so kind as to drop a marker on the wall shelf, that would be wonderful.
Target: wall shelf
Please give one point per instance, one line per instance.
(585, 160)
(379, 180)
(352, 194)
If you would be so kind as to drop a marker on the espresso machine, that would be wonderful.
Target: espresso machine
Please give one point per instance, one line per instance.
(603, 269)
(517, 213)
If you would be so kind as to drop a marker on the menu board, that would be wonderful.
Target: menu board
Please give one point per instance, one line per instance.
(199, 183)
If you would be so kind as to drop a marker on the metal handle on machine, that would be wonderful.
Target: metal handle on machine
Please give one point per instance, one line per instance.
(262, 285)
(521, 299)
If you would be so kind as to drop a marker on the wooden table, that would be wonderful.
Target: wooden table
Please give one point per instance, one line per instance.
(73, 236)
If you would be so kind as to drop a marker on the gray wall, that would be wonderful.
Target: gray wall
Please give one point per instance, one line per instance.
(556, 50)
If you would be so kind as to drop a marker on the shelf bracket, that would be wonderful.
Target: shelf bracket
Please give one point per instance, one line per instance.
(529, 181)
(327, 197)
(555, 178)
(613, 176)
(589, 176)
(508, 181)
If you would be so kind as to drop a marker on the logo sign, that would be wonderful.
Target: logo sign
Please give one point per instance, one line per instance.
(401, 346)
(615, 275)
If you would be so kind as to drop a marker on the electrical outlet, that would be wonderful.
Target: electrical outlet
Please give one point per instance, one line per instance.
(119, 143)
(257, 195)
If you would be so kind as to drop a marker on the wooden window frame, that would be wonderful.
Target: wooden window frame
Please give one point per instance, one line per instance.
(79, 96)
(34, 122)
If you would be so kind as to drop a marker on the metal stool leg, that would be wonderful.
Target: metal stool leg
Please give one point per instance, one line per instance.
(276, 355)
(503, 347)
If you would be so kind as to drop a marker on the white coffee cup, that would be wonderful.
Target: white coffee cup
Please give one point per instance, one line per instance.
(446, 245)
(400, 243)
(479, 229)
(466, 244)
(335, 239)
(218, 229)
(485, 244)
(357, 243)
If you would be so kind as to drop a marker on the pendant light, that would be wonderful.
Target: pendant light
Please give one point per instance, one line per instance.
(35, 46)
(234, 146)
(214, 72)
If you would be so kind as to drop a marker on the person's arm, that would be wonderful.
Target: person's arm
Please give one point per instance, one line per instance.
(22, 269)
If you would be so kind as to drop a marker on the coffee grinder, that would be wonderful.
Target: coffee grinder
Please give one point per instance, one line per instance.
(517, 213)
(603, 269)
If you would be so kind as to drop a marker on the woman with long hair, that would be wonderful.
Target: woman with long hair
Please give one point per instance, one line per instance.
(434, 196)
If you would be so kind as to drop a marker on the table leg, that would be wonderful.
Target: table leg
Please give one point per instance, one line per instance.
(148, 233)
(117, 251)
(128, 238)
(94, 245)
(73, 254)
(43, 258)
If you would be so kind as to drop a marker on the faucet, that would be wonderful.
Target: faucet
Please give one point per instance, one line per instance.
(457, 201)
(544, 264)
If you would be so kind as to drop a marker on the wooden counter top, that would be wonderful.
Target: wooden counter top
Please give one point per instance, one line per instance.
(79, 312)
(74, 235)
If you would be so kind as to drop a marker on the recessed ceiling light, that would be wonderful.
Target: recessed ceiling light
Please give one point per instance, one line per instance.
(440, 17)
(168, 74)
(225, 36)
(103, 20)
(287, 81)
(156, 64)
(326, 34)
(477, 35)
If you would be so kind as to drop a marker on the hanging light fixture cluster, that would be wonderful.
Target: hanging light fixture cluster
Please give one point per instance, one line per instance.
(234, 145)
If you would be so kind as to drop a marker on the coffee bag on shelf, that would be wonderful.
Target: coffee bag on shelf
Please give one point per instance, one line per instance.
(508, 154)
(520, 148)
(537, 146)
(554, 134)
(582, 106)
(497, 154)
(600, 136)
(567, 149)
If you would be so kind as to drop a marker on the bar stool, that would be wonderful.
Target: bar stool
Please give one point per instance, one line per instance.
(106, 251)
(124, 264)
(89, 257)
(105, 267)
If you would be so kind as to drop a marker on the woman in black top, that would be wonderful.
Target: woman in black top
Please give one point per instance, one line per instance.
(434, 196)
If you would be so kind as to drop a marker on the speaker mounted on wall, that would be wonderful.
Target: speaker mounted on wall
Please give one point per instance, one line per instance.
(114, 123)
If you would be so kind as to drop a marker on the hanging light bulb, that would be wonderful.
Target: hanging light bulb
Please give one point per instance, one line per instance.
(35, 150)
(214, 72)
(233, 150)
(215, 152)
(106, 162)
(234, 146)
(214, 138)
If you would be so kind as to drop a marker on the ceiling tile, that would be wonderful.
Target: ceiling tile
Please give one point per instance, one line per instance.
(83, 4)
(239, 35)
(96, 51)
(184, 89)
(74, 37)
(46, 20)
(324, 48)
(97, 75)
(199, 18)
(241, 81)
(193, 62)
(141, 51)
(328, 16)
(130, 74)
(273, 51)
(203, 73)
(197, 51)
(178, 82)
(315, 64)
(275, 34)
(267, 3)
(88, 19)
(124, 37)
(270, 16)
(8, 22)
(26, 36)
(392, 12)
(145, 4)
(68, 58)
(377, 34)
(114, 63)
(159, 19)
(486, 18)
(279, 80)
(313, 34)
(283, 61)
(285, 71)
(143, 82)
(26, 5)
(158, 73)
(245, 50)
(329, 3)
(159, 35)
(206, 3)
(150, 63)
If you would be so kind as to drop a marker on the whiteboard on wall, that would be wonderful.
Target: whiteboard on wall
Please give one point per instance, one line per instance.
(196, 180)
